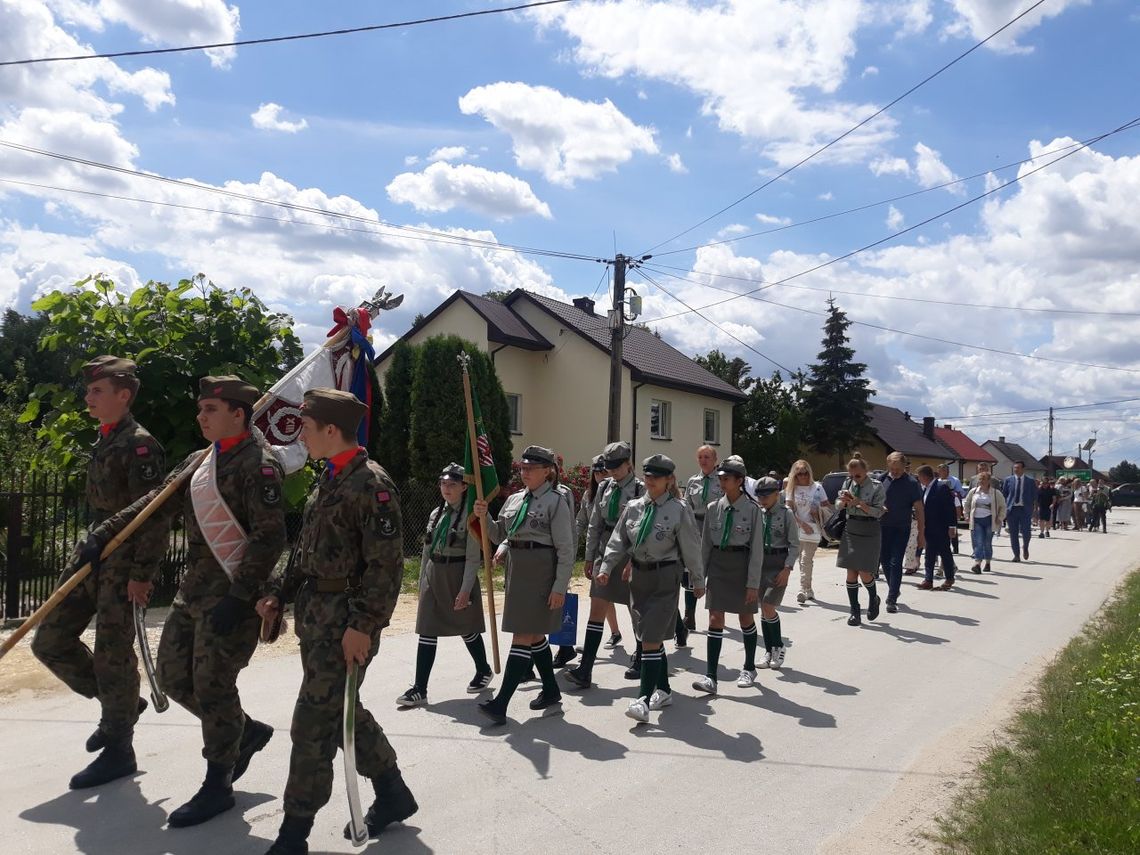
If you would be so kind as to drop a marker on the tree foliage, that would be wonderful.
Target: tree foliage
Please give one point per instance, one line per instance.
(836, 404)
(733, 371)
(392, 443)
(20, 352)
(1124, 473)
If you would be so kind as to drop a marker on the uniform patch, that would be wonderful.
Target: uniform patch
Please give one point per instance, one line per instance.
(268, 471)
(386, 527)
(148, 472)
(383, 496)
(142, 450)
(271, 494)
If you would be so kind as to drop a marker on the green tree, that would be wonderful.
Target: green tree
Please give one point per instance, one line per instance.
(20, 345)
(1124, 473)
(836, 404)
(17, 439)
(767, 428)
(733, 371)
(391, 447)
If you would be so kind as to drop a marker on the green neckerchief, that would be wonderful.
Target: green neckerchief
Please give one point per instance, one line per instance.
(705, 489)
(440, 534)
(614, 507)
(856, 487)
(521, 515)
(767, 530)
(727, 533)
(646, 525)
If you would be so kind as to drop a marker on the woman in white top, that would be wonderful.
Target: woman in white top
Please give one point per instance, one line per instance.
(807, 499)
(985, 509)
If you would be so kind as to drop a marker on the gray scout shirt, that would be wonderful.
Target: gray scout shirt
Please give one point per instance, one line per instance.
(784, 533)
(547, 521)
(601, 526)
(747, 530)
(568, 497)
(457, 541)
(674, 538)
(701, 491)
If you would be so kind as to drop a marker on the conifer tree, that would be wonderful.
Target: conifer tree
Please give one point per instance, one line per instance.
(836, 403)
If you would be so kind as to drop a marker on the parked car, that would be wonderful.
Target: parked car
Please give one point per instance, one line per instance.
(832, 482)
(1126, 496)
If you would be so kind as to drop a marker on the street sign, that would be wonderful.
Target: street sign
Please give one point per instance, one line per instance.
(1083, 474)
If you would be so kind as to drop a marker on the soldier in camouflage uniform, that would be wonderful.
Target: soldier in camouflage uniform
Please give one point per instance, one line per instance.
(346, 577)
(126, 462)
(212, 628)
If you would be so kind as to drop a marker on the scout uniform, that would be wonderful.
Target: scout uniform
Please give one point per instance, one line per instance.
(449, 565)
(781, 541)
(235, 532)
(346, 574)
(659, 537)
(700, 491)
(126, 462)
(537, 527)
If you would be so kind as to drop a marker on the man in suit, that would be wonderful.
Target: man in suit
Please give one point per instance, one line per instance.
(941, 523)
(1020, 493)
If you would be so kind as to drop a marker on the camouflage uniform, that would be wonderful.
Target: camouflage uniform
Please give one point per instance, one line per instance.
(198, 667)
(125, 463)
(347, 573)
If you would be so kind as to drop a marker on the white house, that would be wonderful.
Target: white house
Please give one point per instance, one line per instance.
(1008, 453)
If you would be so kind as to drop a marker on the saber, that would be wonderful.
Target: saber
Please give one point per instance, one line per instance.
(357, 830)
(157, 696)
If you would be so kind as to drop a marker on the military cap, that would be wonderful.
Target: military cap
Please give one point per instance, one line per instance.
(658, 464)
(108, 366)
(452, 472)
(616, 453)
(767, 485)
(230, 387)
(733, 465)
(536, 454)
(599, 463)
(334, 407)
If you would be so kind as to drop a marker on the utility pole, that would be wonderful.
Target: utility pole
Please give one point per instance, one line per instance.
(1051, 467)
(617, 337)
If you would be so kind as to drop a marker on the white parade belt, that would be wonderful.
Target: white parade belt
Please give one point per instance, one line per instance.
(223, 533)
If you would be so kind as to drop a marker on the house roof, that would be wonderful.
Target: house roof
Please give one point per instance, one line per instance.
(1013, 451)
(649, 358)
(896, 431)
(962, 446)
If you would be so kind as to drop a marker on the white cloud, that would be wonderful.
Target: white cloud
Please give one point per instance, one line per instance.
(564, 138)
(733, 229)
(641, 96)
(448, 152)
(770, 220)
(895, 219)
(931, 171)
(179, 22)
(689, 132)
(912, 16)
(411, 160)
(870, 71)
(827, 197)
(443, 186)
(976, 19)
(676, 164)
(267, 117)
(890, 166)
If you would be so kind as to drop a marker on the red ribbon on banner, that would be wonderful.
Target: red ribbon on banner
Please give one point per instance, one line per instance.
(340, 318)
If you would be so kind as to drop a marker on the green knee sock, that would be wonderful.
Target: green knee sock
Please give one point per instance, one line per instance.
(518, 664)
(544, 664)
(425, 658)
(650, 671)
(663, 678)
(870, 586)
(714, 640)
(771, 630)
(750, 646)
(853, 595)
(478, 651)
(594, 630)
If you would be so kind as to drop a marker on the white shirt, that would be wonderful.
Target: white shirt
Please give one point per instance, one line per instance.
(806, 502)
(983, 504)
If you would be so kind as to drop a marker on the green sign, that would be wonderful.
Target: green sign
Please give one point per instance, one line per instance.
(1083, 474)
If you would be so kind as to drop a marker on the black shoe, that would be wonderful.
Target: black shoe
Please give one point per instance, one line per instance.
(394, 802)
(479, 682)
(1017, 559)
(856, 619)
(682, 636)
(1025, 553)
(293, 837)
(564, 657)
(1041, 536)
(254, 736)
(691, 621)
(580, 677)
(1048, 534)
(873, 608)
(215, 796)
(977, 568)
(987, 567)
(98, 740)
(117, 760)
(545, 700)
(492, 711)
(892, 608)
(633, 672)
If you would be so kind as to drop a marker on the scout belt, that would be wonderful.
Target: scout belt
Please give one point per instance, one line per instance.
(529, 544)
(332, 586)
(740, 547)
(782, 550)
(447, 559)
(654, 565)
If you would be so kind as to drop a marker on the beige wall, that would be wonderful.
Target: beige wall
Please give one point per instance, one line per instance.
(874, 452)
(457, 319)
(687, 428)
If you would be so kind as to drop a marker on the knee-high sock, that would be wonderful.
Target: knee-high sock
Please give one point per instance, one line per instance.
(637, 648)
(544, 663)
(425, 658)
(679, 624)
(870, 586)
(518, 663)
(690, 603)
(650, 671)
(714, 640)
(594, 630)
(853, 595)
(478, 651)
(771, 629)
(663, 678)
(750, 646)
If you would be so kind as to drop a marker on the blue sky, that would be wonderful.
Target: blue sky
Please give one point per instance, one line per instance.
(561, 128)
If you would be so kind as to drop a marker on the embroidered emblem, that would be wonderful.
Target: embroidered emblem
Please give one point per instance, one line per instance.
(268, 471)
(271, 494)
(141, 451)
(148, 472)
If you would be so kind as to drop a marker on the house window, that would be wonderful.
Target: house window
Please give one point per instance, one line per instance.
(712, 427)
(659, 419)
(514, 406)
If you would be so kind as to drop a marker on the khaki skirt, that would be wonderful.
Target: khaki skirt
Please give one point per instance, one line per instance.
(859, 546)
(439, 586)
(727, 579)
(616, 590)
(530, 579)
(653, 596)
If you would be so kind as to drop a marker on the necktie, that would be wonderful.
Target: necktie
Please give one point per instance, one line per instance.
(615, 500)
(727, 533)
(705, 489)
(520, 516)
(440, 534)
(646, 524)
(1017, 495)
(767, 530)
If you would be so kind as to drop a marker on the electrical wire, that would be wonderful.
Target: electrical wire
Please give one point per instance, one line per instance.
(1041, 409)
(291, 38)
(602, 279)
(850, 130)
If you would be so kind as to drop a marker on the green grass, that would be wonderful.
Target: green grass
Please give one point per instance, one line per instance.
(1067, 777)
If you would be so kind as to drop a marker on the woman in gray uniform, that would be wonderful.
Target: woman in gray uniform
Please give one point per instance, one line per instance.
(733, 554)
(700, 490)
(654, 540)
(863, 497)
(621, 488)
(537, 527)
(589, 500)
(450, 603)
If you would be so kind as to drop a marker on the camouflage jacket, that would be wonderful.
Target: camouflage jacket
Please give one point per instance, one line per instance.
(352, 528)
(126, 464)
(249, 480)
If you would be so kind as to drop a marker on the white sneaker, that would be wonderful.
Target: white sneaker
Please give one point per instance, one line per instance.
(660, 699)
(412, 698)
(765, 660)
(746, 680)
(638, 710)
(810, 594)
(802, 597)
(776, 657)
(705, 684)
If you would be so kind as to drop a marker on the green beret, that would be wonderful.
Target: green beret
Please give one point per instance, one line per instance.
(733, 465)
(658, 464)
(536, 454)
(452, 472)
(108, 366)
(230, 387)
(334, 407)
(599, 463)
(616, 453)
(767, 485)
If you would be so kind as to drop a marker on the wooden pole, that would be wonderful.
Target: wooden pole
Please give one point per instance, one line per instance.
(477, 467)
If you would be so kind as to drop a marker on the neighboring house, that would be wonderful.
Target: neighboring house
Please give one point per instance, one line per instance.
(1007, 453)
(965, 453)
(1056, 467)
(892, 430)
(553, 360)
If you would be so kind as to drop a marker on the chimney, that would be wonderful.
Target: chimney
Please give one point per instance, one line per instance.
(928, 427)
(1001, 439)
(585, 304)
(948, 427)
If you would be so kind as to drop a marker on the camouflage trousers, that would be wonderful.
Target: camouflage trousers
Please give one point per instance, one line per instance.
(198, 668)
(318, 726)
(110, 672)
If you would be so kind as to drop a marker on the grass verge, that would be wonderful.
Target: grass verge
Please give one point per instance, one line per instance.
(1067, 777)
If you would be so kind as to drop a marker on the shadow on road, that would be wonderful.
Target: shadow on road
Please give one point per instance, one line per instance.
(830, 687)
(958, 619)
(688, 721)
(535, 738)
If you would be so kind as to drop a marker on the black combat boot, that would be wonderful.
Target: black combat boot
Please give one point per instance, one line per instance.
(254, 736)
(394, 803)
(215, 796)
(117, 760)
(633, 672)
(293, 837)
(97, 741)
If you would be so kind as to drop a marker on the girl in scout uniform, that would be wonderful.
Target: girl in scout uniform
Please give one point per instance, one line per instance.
(863, 497)
(700, 490)
(450, 602)
(781, 540)
(654, 539)
(589, 499)
(732, 550)
(537, 528)
(566, 652)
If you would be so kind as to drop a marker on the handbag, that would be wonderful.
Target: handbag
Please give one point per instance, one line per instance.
(833, 529)
(568, 636)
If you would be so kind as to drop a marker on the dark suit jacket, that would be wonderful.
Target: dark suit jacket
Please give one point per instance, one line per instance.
(1028, 492)
(941, 515)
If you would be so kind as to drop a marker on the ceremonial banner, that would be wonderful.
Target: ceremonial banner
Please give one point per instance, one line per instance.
(486, 467)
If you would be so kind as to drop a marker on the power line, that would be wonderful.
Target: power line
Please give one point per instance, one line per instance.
(851, 130)
(291, 38)
(1041, 410)
(601, 279)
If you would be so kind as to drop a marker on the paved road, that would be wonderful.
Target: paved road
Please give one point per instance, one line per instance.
(784, 766)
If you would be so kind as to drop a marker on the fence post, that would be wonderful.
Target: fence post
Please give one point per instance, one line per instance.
(15, 555)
